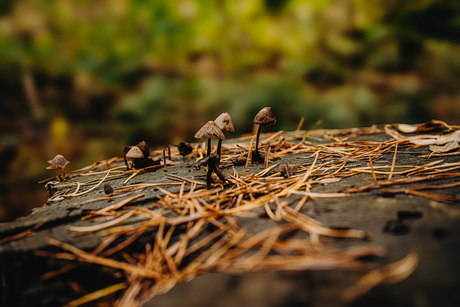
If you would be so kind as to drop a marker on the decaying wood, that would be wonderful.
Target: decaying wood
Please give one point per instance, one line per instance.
(159, 228)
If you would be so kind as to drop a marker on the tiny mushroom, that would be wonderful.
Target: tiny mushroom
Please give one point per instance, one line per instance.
(265, 117)
(135, 153)
(144, 148)
(58, 162)
(139, 154)
(207, 131)
(225, 123)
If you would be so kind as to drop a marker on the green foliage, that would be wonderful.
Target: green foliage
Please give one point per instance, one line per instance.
(157, 70)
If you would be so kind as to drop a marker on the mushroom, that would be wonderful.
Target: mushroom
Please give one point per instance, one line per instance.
(144, 148)
(265, 117)
(58, 162)
(207, 131)
(133, 153)
(140, 156)
(225, 123)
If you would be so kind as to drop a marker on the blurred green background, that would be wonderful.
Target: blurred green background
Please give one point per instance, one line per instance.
(85, 78)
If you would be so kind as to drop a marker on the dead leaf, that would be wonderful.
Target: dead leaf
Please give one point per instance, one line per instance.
(424, 140)
(407, 128)
(428, 126)
(436, 140)
(445, 148)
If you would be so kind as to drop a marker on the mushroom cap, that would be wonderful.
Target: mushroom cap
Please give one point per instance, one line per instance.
(265, 117)
(57, 162)
(225, 122)
(144, 148)
(135, 152)
(208, 130)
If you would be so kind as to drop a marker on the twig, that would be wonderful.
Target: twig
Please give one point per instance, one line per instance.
(394, 161)
(248, 158)
(372, 166)
(118, 205)
(299, 126)
(267, 151)
(87, 191)
(101, 226)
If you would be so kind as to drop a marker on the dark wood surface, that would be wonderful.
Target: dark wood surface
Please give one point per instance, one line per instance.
(399, 222)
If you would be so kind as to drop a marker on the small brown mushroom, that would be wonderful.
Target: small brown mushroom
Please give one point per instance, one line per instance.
(225, 123)
(265, 117)
(207, 131)
(135, 153)
(144, 148)
(58, 162)
(139, 154)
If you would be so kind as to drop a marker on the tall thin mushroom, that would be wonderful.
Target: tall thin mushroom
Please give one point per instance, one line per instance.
(225, 123)
(207, 131)
(265, 117)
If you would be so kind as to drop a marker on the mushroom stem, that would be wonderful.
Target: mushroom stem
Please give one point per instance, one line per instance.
(212, 164)
(219, 150)
(209, 147)
(63, 173)
(126, 162)
(208, 177)
(257, 139)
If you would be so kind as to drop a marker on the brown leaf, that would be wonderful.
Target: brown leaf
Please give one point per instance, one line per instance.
(428, 126)
(445, 148)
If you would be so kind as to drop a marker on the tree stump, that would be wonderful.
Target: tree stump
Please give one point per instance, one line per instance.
(359, 203)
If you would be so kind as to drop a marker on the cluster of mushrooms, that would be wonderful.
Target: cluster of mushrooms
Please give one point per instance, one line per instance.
(224, 123)
(138, 156)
